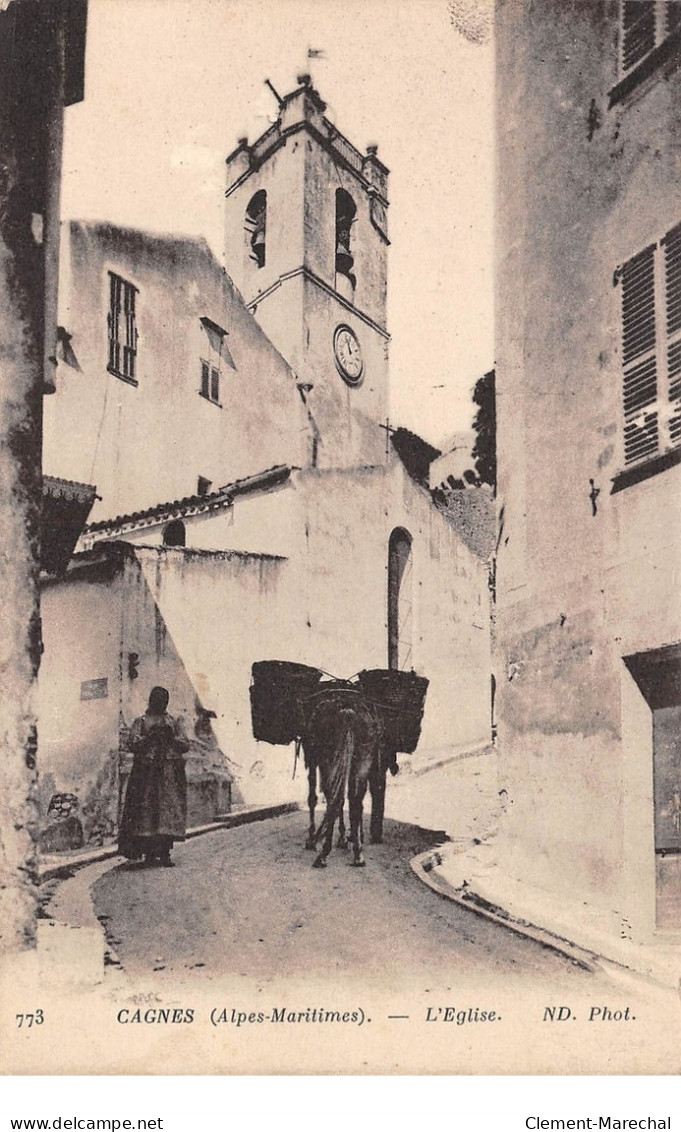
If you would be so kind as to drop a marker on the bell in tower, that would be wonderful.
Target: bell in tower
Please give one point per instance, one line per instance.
(345, 216)
(255, 224)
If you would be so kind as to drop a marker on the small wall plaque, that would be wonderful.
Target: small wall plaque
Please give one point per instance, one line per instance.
(95, 689)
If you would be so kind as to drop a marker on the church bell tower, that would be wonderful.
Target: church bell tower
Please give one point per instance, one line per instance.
(306, 243)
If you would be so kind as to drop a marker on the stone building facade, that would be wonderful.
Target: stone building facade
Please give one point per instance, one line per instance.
(42, 55)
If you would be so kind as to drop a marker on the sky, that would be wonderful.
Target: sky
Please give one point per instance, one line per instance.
(172, 84)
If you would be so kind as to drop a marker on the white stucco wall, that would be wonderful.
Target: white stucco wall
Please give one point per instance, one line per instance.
(82, 638)
(148, 443)
(346, 598)
(102, 622)
(583, 186)
(223, 612)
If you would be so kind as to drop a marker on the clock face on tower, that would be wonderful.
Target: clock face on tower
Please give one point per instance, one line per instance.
(348, 354)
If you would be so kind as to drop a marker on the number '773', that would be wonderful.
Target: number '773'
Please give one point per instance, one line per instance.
(35, 1019)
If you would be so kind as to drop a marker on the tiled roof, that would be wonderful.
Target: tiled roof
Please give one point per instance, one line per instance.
(195, 504)
(57, 488)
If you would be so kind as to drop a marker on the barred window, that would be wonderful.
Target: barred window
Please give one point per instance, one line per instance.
(122, 328)
(645, 25)
(651, 349)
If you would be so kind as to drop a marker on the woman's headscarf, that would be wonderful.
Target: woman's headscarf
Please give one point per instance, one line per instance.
(158, 700)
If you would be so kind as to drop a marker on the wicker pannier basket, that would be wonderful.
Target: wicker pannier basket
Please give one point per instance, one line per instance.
(276, 690)
(400, 698)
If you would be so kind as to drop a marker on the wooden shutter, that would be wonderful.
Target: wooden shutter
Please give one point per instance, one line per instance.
(638, 31)
(639, 357)
(205, 379)
(114, 316)
(130, 347)
(672, 285)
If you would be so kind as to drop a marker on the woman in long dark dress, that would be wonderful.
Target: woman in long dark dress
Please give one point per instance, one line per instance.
(155, 810)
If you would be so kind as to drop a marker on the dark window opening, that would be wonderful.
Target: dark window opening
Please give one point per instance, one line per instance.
(256, 224)
(400, 600)
(658, 676)
(174, 533)
(346, 211)
(122, 328)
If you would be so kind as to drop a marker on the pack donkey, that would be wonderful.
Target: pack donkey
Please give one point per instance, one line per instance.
(342, 742)
(350, 732)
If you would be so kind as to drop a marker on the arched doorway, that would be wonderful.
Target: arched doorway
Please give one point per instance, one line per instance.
(400, 600)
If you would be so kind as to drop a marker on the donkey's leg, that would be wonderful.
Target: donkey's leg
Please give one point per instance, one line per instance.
(311, 802)
(326, 833)
(334, 781)
(342, 842)
(356, 797)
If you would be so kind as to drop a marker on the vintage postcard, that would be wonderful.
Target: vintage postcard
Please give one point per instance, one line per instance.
(341, 387)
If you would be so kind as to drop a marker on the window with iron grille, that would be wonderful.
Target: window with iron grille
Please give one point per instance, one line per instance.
(651, 349)
(645, 25)
(122, 328)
